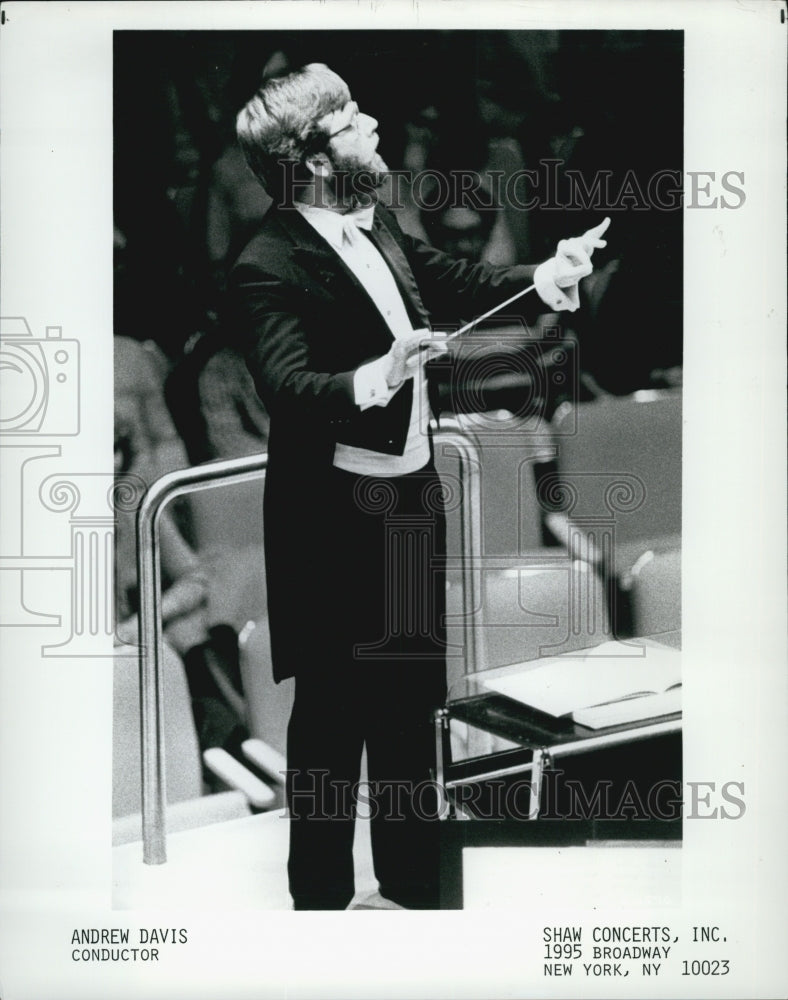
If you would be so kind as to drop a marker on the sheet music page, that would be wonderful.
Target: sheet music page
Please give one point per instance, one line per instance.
(563, 684)
(704, 916)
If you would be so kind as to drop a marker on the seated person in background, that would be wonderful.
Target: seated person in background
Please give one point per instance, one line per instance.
(210, 655)
(139, 393)
(214, 403)
(219, 415)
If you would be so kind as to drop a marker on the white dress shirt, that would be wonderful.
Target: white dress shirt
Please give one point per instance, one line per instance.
(369, 382)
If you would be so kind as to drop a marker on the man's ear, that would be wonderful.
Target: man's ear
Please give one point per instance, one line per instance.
(318, 165)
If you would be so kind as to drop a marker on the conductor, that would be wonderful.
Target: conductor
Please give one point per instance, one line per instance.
(332, 304)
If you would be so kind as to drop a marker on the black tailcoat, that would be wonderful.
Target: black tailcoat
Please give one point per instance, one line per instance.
(305, 324)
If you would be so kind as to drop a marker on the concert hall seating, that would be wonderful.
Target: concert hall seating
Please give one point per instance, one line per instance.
(617, 491)
(228, 531)
(187, 807)
(268, 704)
(510, 446)
(539, 608)
(654, 586)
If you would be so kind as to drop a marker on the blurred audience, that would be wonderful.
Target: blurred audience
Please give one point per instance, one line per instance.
(209, 653)
(139, 372)
(214, 403)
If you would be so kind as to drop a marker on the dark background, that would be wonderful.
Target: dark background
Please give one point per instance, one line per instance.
(596, 100)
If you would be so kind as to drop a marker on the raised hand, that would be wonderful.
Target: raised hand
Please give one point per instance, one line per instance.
(573, 257)
(591, 237)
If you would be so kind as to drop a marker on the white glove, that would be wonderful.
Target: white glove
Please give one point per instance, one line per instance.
(556, 280)
(375, 382)
(409, 353)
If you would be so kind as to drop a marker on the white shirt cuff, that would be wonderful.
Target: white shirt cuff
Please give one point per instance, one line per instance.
(559, 299)
(369, 385)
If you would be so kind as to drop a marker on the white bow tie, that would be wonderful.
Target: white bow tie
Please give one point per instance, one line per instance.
(360, 218)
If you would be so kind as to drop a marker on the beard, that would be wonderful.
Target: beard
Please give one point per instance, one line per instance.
(357, 181)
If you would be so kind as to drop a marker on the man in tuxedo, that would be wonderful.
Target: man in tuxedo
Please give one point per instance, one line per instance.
(332, 304)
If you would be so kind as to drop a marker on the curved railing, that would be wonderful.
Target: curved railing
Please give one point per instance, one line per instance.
(240, 470)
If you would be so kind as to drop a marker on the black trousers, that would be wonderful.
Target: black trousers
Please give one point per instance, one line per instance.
(378, 677)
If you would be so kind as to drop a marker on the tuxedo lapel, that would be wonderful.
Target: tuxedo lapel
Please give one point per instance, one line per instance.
(395, 256)
(319, 258)
(314, 253)
(400, 268)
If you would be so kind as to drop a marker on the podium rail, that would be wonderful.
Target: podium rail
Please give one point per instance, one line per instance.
(231, 472)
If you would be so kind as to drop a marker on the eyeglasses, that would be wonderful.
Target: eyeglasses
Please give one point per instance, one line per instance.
(352, 124)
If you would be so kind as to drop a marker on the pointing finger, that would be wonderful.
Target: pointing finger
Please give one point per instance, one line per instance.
(599, 230)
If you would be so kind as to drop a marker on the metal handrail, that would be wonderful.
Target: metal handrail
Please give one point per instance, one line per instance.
(240, 470)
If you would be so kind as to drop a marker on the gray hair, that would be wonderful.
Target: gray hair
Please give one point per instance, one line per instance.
(280, 122)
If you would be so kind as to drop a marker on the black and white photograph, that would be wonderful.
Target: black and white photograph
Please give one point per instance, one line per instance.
(463, 155)
(438, 575)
